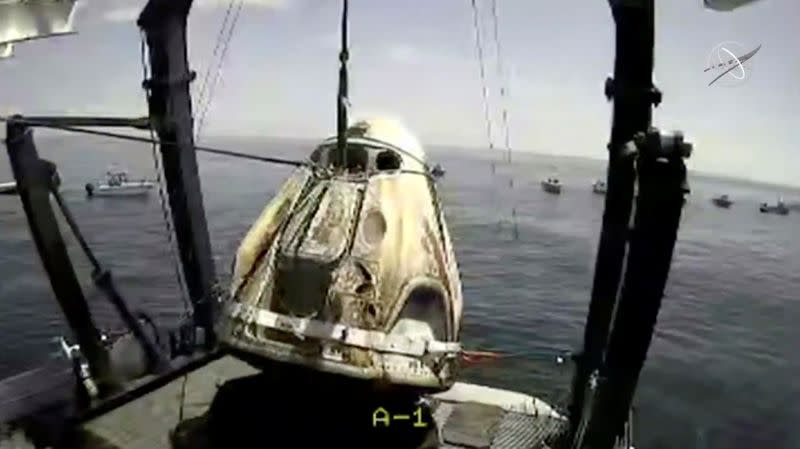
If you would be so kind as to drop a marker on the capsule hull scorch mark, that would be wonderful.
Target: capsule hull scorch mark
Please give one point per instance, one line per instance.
(350, 269)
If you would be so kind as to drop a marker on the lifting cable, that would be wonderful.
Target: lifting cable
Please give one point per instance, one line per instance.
(504, 105)
(485, 85)
(165, 209)
(153, 140)
(223, 50)
(501, 77)
(204, 83)
(487, 112)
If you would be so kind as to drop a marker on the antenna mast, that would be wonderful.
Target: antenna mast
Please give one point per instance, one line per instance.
(341, 98)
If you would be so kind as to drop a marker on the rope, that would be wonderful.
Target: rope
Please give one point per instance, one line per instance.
(479, 50)
(476, 356)
(342, 96)
(501, 77)
(204, 84)
(182, 398)
(236, 154)
(165, 209)
(504, 105)
(214, 83)
(480, 54)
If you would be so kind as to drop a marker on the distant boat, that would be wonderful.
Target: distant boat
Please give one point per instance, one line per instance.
(8, 188)
(722, 201)
(599, 187)
(6, 51)
(118, 184)
(551, 185)
(438, 171)
(779, 208)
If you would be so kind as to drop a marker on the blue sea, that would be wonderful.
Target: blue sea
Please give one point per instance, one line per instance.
(722, 369)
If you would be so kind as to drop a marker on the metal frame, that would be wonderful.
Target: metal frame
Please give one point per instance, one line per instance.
(34, 178)
(164, 23)
(170, 106)
(609, 365)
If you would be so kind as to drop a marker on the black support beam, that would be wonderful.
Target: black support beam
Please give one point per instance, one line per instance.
(169, 101)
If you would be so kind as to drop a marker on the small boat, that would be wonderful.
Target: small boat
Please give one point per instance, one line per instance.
(722, 201)
(779, 208)
(357, 264)
(551, 185)
(8, 188)
(599, 187)
(117, 183)
(6, 51)
(438, 171)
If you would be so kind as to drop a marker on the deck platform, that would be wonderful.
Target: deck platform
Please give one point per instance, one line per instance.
(149, 422)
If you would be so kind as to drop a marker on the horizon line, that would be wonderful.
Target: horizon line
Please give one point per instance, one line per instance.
(481, 149)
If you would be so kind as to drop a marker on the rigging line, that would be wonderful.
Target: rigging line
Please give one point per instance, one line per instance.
(212, 60)
(165, 209)
(487, 112)
(501, 77)
(504, 106)
(236, 154)
(215, 82)
(182, 398)
(479, 50)
(342, 95)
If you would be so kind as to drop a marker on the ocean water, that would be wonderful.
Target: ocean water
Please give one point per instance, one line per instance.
(722, 369)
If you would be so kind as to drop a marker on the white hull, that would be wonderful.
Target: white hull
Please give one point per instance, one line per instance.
(599, 187)
(722, 201)
(551, 188)
(8, 188)
(778, 210)
(130, 189)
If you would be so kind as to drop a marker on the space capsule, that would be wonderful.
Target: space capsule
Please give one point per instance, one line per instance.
(350, 268)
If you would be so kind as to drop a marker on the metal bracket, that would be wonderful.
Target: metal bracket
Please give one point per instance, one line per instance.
(166, 82)
(657, 145)
(80, 368)
(612, 91)
(595, 381)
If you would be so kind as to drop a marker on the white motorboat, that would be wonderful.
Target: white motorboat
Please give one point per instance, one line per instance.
(8, 188)
(437, 171)
(552, 185)
(117, 183)
(779, 208)
(722, 201)
(599, 187)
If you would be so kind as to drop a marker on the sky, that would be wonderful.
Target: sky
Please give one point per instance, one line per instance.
(416, 60)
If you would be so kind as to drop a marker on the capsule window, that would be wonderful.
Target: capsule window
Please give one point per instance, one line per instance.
(387, 160)
(357, 157)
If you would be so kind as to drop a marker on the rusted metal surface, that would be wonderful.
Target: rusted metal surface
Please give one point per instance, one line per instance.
(365, 246)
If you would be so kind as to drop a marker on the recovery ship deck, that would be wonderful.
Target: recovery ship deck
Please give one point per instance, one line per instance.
(466, 416)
